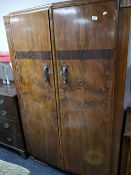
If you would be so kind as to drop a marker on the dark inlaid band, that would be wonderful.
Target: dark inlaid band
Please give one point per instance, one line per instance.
(66, 54)
(85, 54)
(33, 55)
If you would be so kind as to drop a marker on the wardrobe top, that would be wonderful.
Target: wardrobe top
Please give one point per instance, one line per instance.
(56, 5)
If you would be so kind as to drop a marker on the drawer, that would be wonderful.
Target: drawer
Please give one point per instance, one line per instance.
(6, 101)
(10, 114)
(8, 106)
(11, 140)
(10, 127)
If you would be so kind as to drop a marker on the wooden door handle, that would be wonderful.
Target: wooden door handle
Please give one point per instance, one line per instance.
(63, 73)
(46, 72)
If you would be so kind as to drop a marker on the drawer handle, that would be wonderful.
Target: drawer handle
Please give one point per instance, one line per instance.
(9, 139)
(3, 113)
(6, 125)
(1, 101)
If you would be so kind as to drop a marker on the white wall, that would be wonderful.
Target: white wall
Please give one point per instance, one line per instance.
(128, 78)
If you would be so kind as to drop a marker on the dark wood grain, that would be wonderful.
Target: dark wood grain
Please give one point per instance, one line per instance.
(86, 100)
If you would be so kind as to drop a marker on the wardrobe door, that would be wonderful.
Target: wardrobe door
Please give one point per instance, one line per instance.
(85, 53)
(35, 82)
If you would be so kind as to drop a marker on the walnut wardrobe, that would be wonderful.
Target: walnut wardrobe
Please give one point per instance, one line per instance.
(67, 73)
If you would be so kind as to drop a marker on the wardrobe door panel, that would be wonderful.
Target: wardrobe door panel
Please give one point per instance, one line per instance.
(35, 79)
(85, 49)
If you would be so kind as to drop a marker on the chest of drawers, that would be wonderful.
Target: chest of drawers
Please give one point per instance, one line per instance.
(11, 134)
